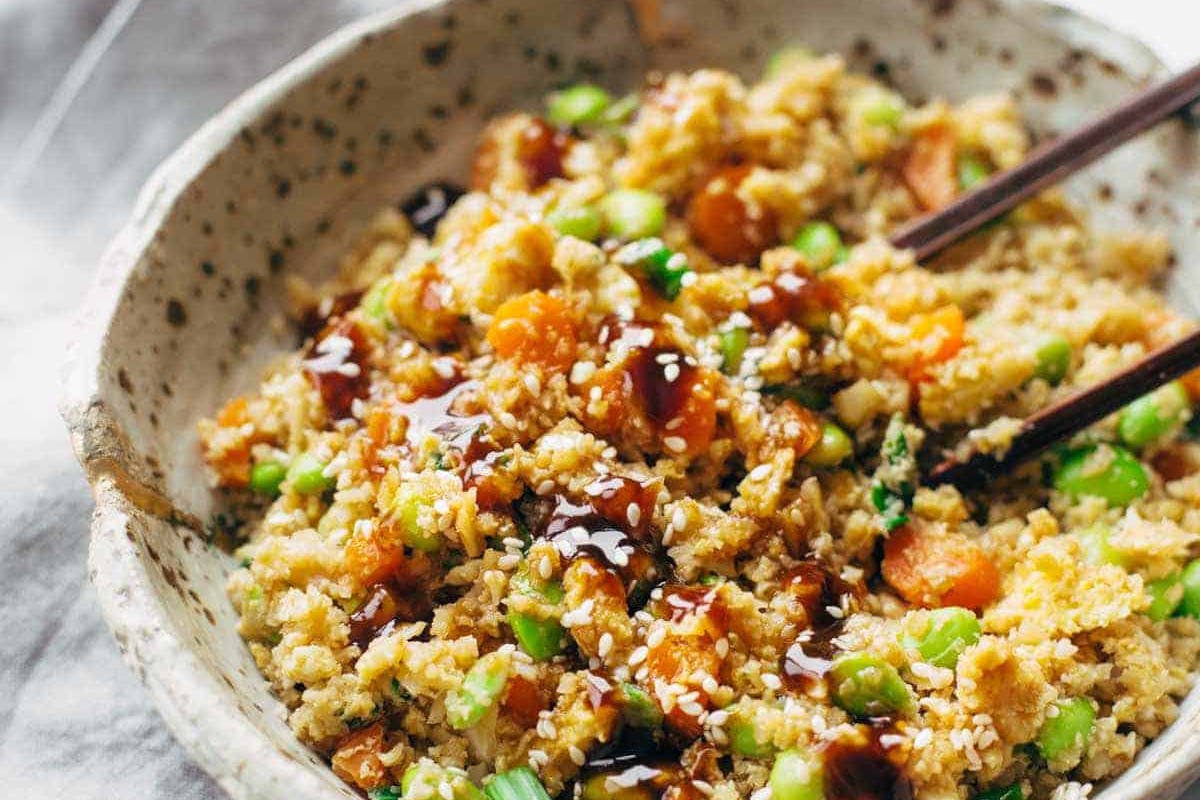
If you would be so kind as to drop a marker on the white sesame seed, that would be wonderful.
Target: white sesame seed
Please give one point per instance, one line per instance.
(545, 487)
(679, 519)
(761, 294)
(771, 680)
(668, 535)
(532, 383)
(444, 367)
(704, 787)
(577, 755)
(760, 472)
(676, 444)
(761, 794)
(508, 561)
(722, 647)
(637, 656)
(671, 372)
(545, 568)
(673, 423)
(633, 513)
(605, 645)
(718, 718)
(656, 636)
(349, 369)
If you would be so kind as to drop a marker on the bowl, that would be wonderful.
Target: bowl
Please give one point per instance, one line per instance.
(184, 310)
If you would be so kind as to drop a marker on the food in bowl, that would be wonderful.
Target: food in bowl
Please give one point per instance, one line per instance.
(603, 479)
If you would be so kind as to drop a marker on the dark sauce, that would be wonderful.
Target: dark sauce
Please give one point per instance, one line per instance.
(386, 604)
(336, 366)
(315, 318)
(541, 150)
(482, 459)
(814, 589)
(426, 207)
(578, 529)
(865, 768)
(792, 296)
(663, 378)
(680, 602)
(436, 415)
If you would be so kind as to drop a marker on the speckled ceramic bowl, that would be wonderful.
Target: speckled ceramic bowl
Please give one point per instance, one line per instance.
(280, 181)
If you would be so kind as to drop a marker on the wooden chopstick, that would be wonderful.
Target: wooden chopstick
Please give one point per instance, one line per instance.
(1048, 164)
(1072, 414)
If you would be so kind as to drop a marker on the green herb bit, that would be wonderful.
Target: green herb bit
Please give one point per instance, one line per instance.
(516, 784)
(666, 270)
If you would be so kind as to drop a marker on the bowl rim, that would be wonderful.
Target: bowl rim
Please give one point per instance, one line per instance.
(192, 702)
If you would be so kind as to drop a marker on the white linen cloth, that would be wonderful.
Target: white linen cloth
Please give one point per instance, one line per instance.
(93, 94)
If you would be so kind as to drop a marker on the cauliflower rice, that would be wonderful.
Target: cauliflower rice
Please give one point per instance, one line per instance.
(621, 489)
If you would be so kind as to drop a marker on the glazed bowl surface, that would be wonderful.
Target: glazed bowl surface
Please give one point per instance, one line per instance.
(185, 307)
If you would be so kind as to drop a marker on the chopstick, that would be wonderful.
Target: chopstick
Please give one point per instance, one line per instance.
(1048, 164)
(1072, 414)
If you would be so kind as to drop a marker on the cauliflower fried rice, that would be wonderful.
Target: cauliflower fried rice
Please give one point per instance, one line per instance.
(602, 479)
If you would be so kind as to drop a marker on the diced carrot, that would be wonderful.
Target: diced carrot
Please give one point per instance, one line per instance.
(234, 413)
(534, 328)
(608, 396)
(793, 425)
(699, 415)
(1191, 382)
(357, 758)
(929, 169)
(937, 336)
(932, 567)
(373, 555)
(722, 222)
(523, 700)
(697, 621)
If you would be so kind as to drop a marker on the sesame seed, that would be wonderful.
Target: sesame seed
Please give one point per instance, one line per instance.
(666, 358)
(673, 423)
(508, 561)
(771, 680)
(676, 444)
(532, 383)
(545, 568)
(761, 794)
(760, 472)
(679, 519)
(444, 367)
(633, 513)
(605, 645)
(577, 755)
(545, 487)
(668, 534)
(656, 636)
(671, 372)
(638, 656)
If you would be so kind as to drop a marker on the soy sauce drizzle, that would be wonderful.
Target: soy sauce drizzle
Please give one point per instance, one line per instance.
(426, 207)
(792, 296)
(864, 767)
(336, 367)
(436, 415)
(816, 589)
(663, 377)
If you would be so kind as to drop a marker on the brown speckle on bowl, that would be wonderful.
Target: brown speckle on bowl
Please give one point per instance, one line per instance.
(176, 313)
(435, 54)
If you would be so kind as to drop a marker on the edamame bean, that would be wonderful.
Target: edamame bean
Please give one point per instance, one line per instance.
(408, 506)
(951, 631)
(821, 244)
(1152, 415)
(1053, 356)
(306, 474)
(1119, 479)
(796, 775)
(1190, 606)
(577, 104)
(834, 447)
(867, 686)
(1166, 595)
(266, 476)
(634, 213)
(582, 223)
(1065, 734)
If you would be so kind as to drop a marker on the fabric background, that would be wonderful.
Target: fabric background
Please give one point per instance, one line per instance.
(93, 94)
